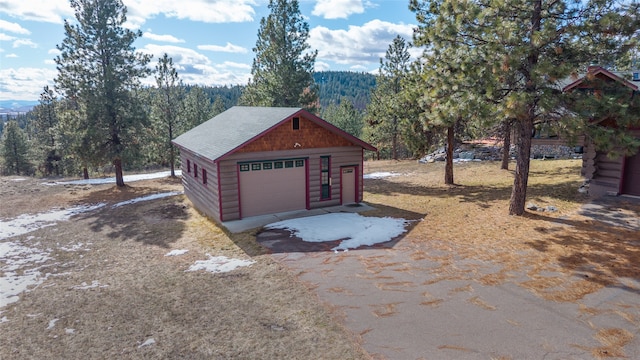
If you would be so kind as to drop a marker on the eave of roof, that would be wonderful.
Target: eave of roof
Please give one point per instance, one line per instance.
(600, 70)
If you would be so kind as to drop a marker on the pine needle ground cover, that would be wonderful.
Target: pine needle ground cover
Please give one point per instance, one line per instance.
(470, 220)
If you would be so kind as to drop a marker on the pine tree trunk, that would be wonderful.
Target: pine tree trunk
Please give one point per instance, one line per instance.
(85, 173)
(506, 144)
(117, 162)
(394, 146)
(448, 169)
(519, 191)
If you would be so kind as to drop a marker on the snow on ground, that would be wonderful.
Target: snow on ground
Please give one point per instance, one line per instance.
(380, 175)
(27, 223)
(176, 252)
(21, 270)
(147, 198)
(356, 229)
(219, 264)
(112, 180)
(22, 262)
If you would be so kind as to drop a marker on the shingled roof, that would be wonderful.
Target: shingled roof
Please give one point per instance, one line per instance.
(239, 125)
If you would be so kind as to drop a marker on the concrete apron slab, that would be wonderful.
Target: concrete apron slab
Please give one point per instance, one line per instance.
(237, 226)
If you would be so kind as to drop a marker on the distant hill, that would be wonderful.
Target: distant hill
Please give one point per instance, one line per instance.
(14, 107)
(335, 85)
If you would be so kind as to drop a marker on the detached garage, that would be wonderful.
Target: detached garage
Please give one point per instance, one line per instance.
(251, 161)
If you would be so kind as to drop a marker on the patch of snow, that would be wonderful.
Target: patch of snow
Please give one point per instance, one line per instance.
(219, 264)
(52, 323)
(147, 198)
(18, 179)
(94, 284)
(69, 331)
(27, 223)
(112, 180)
(176, 252)
(4, 319)
(16, 278)
(357, 230)
(147, 342)
(380, 175)
(75, 247)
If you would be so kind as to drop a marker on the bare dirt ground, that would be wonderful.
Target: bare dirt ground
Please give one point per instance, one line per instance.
(110, 291)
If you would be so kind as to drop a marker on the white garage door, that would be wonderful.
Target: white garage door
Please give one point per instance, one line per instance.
(268, 187)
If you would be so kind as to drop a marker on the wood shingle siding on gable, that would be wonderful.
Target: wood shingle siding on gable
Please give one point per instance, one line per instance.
(248, 139)
(310, 135)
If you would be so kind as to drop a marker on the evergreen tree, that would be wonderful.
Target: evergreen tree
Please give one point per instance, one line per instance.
(98, 67)
(387, 107)
(197, 108)
(14, 150)
(519, 50)
(46, 128)
(168, 106)
(345, 116)
(282, 70)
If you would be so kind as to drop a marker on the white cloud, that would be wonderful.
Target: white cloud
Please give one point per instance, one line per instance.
(163, 38)
(24, 83)
(13, 27)
(12, 55)
(209, 11)
(50, 62)
(321, 66)
(337, 9)
(54, 52)
(53, 11)
(359, 45)
(183, 58)
(229, 48)
(235, 65)
(5, 37)
(197, 69)
(24, 42)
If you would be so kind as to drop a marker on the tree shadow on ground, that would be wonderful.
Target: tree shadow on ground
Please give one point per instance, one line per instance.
(603, 249)
(284, 241)
(479, 195)
(158, 222)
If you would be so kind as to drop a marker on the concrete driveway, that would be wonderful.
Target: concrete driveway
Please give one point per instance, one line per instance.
(403, 303)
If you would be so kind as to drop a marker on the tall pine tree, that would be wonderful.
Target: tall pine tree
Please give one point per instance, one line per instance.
(14, 150)
(282, 70)
(46, 129)
(521, 50)
(98, 67)
(387, 108)
(168, 107)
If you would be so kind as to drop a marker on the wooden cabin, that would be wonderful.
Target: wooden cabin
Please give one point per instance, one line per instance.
(609, 176)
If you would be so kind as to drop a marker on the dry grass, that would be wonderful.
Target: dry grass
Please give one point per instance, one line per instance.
(469, 221)
(261, 311)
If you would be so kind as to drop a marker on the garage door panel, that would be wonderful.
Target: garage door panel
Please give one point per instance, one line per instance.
(272, 190)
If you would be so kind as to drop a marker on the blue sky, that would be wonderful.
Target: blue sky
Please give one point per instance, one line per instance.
(210, 41)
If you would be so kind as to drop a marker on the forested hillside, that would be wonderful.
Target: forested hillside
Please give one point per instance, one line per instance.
(335, 85)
